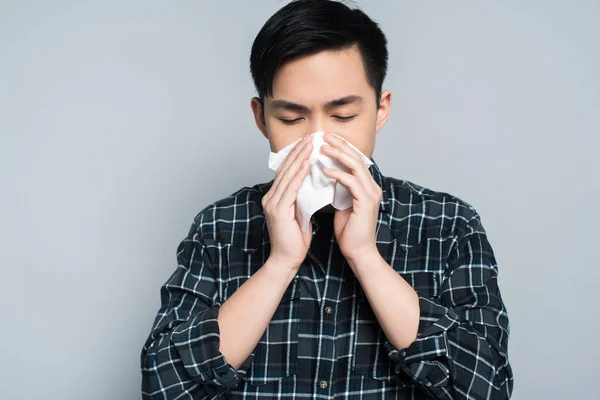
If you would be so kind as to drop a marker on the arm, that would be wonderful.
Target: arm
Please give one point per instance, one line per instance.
(394, 302)
(198, 346)
(244, 317)
(461, 338)
(460, 350)
(181, 354)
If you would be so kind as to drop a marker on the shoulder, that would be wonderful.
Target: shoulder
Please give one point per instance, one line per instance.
(435, 214)
(237, 219)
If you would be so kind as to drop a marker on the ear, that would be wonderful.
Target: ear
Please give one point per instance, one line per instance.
(259, 115)
(383, 112)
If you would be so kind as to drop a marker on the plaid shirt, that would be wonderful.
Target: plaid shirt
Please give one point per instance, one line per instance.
(324, 340)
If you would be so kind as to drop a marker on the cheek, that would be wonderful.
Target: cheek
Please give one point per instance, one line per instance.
(281, 135)
(361, 135)
(365, 143)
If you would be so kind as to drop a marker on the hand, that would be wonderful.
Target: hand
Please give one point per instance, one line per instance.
(354, 228)
(289, 245)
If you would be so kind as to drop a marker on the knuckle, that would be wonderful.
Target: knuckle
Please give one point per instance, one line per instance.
(268, 207)
(266, 198)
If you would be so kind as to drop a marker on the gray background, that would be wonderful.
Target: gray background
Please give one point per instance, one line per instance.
(120, 122)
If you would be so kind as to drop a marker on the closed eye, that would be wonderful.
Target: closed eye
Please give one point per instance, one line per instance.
(290, 121)
(344, 119)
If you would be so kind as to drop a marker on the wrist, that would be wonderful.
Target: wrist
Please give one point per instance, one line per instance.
(282, 266)
(363, 259)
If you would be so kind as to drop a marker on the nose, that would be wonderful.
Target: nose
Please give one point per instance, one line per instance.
(319, 123)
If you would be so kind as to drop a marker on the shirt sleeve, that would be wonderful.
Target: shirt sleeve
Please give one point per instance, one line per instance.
(461, 347)
(181, 356)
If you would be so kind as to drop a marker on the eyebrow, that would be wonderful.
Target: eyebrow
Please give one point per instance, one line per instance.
(288, 105)
(291, 106)
(342, 101)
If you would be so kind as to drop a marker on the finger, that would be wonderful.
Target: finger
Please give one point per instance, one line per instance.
(336, 142)
(280, 173)
(294, 162)
(291, 192)
(287, 162)
(356, 166)
(290, 159)
(291, 172)
(348, 180)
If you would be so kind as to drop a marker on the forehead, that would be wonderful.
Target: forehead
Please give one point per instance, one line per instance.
(321, 77)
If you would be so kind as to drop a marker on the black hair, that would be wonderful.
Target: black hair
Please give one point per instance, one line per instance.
(306, 27)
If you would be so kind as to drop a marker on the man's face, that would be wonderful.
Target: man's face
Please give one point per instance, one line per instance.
(327, 91)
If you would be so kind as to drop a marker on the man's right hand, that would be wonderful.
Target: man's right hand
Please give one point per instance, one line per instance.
(289, 245)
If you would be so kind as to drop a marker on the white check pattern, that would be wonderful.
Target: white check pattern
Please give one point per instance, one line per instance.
(324, 341)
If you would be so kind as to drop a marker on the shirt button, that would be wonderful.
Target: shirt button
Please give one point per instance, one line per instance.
(323, 385)
(328, 310)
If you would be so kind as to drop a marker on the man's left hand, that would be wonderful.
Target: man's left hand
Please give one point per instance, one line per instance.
(355, 227)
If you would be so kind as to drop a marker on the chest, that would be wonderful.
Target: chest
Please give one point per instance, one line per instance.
(324, 320)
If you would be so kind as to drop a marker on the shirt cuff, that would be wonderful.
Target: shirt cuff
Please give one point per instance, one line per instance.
(225, 375)
(197, 342)
(426, 360)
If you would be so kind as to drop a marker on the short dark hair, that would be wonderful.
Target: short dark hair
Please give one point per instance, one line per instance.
(306, 27)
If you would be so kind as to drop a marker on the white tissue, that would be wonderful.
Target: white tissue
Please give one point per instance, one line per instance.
(317, 190)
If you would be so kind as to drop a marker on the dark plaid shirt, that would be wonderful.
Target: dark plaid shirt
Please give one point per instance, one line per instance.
(324, 340)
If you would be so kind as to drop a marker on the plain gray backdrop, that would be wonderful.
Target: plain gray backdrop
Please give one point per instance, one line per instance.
(120, 121)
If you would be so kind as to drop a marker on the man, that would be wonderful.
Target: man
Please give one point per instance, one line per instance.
(395, 297)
